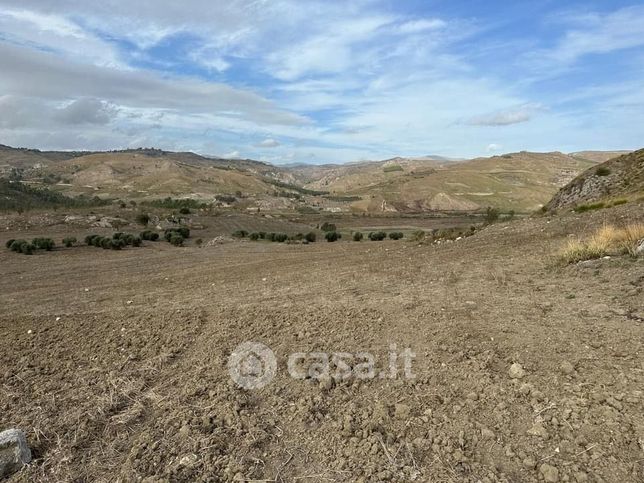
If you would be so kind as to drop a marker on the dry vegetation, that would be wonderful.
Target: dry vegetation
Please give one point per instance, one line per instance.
(606, 241)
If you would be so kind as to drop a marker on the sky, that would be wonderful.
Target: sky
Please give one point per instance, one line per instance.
(306, 81)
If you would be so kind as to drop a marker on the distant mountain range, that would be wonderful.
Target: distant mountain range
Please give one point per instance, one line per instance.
(517, 181)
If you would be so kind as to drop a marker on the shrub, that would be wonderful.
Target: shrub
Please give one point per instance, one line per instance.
(136, 241)
(332, 236)
(328, 226)
(184, 210)
(27, 248)
(396, 235)
(16, 245)
(310, 237)
(590, 207)
(149, 235)
(8, 243)
(608, 239)
(418, 236)
(43, 243)
(240, 234)
(183, 231)
(280, 237)
(89, 239)
(118, 236)
(392, 168)
(358, 236)
(262, 235)
(118, 244)
(199, 242)
(377, 236)
(254, 236)
(602, 171)
(491, 215)
(176, 239)
(106, 243)
(619, 202)
(69, 241)
(143, 219)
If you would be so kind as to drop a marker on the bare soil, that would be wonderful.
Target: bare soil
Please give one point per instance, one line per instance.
(115, 362)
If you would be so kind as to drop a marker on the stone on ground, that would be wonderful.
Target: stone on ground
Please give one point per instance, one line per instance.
(14, 452)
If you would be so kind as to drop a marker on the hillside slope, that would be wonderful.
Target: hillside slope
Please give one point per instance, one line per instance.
(621, 177)
(519, 181)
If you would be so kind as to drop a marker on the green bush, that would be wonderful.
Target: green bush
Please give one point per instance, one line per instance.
(118, 236)
(240, 234)
(183, 231)
(377, 236)
(43, 243)
(16, 245)
(396, 235)
(184, 210)
(328, 227)
(199, 242)
(602, 171)
(280, 237)
(332, 236)
(149, 235)
(8, 243)
(590, 207)
(106, 243)
(27, 248)
(310, 237)
(89, 239)
(254, 236)
(69, 241)
(143, 219)
(176, 239)
(118, 244)
(136, 241)
(491, 215)
(358, 236)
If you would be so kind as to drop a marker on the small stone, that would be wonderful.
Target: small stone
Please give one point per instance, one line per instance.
(326, 383)
(14, 452)
(487, 433)
(188, 460)
(567, 368)
(529, 463)
(538, 430)
(581, 477)
(550, 473)
(402, 411)
(30, 332)
(516, 371)
(525, 389)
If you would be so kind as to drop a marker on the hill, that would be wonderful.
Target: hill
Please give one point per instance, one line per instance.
(619, 178)
(518, 181)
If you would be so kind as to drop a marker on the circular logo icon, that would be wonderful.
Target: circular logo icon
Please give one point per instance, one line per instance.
(252, 365)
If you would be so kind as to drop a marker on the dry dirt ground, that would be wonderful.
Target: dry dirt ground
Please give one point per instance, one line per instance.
(124, 377)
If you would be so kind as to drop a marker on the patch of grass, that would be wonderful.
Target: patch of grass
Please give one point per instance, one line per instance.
(590, 207)
(608, 240)
(602, 171)
(619, 202)
(392, 168)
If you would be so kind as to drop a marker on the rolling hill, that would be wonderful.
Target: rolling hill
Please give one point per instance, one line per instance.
(619, 178)
(518, 181)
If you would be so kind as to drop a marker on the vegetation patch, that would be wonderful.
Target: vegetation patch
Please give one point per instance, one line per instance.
(607, 241)
(392, 168)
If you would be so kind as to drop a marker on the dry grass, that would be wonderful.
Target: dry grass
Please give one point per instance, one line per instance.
(608, 240)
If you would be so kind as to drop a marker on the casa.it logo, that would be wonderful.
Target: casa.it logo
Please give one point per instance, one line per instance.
(252, 365)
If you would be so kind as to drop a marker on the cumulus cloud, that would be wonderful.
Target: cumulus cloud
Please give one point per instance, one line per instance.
(268, 143)
(493, 147)
(232, 155)
(506, 117)
(87, 111)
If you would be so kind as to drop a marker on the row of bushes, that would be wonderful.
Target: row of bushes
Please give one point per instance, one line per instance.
(275, 237)
(28, 248)
(118, 241)
(176, 236)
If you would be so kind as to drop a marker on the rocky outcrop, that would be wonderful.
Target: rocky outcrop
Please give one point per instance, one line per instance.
(619, 177)
(14, 452)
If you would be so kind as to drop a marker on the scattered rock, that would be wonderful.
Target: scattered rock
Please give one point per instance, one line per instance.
(516, 371)
(538, 430)
(402, 411)
(567, 368)
(639, 251)
(487, 434)
(14, 452)
(549, 473)
(326, 383)
(188, 460)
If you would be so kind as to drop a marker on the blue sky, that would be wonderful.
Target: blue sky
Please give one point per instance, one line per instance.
(317, 82)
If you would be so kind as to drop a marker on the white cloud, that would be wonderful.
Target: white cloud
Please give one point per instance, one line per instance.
(231, 155)
(493, 147)
(514, 115)
(415, 26)
(268, 143)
